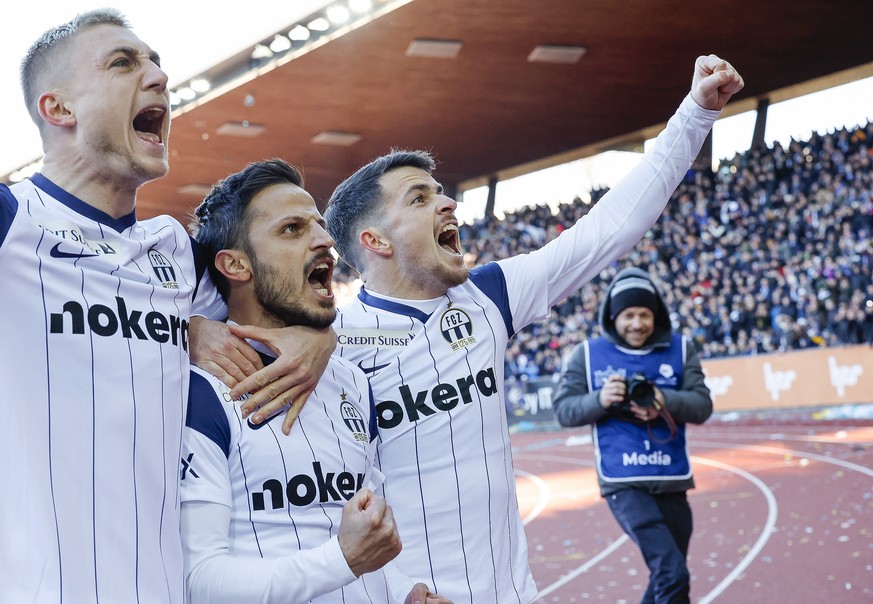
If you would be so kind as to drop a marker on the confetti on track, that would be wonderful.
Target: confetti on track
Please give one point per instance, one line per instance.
(783, 511)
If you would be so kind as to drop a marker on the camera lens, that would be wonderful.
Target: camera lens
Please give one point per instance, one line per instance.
(641, 391)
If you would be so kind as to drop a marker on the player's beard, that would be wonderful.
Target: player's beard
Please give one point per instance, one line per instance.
(278, 299)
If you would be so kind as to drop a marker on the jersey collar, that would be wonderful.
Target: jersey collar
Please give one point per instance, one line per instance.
(81, 207)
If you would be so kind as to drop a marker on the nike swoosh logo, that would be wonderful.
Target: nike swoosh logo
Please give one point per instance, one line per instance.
(57, 253)
(266, 421)
(372, 369)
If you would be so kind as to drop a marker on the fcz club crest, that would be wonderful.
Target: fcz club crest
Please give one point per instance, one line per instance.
(457, 328)
(164, 271)
(353, 420)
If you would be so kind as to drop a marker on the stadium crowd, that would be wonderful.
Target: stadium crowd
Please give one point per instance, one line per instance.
(770, 253)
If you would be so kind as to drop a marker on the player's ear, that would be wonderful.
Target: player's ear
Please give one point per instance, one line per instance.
(54, 109)
(234, 264)
(372, 240)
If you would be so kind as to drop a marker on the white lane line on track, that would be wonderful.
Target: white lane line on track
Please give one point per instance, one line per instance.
(730, 578)
(768, 495)
(772, 510)
(578, 571)
(847, 440)
(591, 561)
(545, 494)
(543, 502)
(779, 451)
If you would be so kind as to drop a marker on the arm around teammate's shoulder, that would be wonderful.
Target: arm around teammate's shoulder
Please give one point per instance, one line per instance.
(303, 353)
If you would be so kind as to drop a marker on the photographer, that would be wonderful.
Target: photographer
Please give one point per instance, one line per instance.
(638, 385)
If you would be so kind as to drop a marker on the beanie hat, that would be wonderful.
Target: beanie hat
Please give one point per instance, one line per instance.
(633, 291)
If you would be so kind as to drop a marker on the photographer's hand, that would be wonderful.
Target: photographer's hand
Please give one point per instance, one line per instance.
(645, 414)
(613, 391)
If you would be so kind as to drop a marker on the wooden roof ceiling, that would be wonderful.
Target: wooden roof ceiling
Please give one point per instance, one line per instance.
(489, 109)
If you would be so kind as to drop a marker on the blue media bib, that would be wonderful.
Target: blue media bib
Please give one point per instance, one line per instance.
(631, 451)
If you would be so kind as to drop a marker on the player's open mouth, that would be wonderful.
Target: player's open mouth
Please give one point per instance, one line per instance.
(320, 276)
(449, 239)
(149, 123)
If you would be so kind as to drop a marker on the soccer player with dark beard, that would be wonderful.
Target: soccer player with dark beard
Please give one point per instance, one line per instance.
(268, 517)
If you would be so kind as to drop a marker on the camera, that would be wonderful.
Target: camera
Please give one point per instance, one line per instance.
(639, 390)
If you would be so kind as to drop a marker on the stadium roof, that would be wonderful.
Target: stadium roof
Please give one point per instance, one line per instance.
(490, 110)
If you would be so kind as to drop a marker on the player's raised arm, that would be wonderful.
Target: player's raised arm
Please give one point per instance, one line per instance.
(621, 218)
(715, 81)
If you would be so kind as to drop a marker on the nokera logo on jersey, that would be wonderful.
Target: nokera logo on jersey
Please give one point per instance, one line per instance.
(303, 489)
(105, 321)
(442, 397)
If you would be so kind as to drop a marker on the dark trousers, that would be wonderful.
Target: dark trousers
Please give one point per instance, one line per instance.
(661, 526)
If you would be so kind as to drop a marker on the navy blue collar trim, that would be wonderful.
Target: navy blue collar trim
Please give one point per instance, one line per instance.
(79, 206)
(395, 307)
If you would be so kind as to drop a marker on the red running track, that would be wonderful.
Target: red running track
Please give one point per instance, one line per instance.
(783, 512)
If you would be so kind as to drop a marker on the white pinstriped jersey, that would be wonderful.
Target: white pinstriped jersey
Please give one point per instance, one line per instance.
(437, 378)
(443, 440)
(94, 316)
(285, 493)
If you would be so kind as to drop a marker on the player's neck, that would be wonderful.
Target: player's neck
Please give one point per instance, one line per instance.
(111, 196)
(246, 311)
(402, 288)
